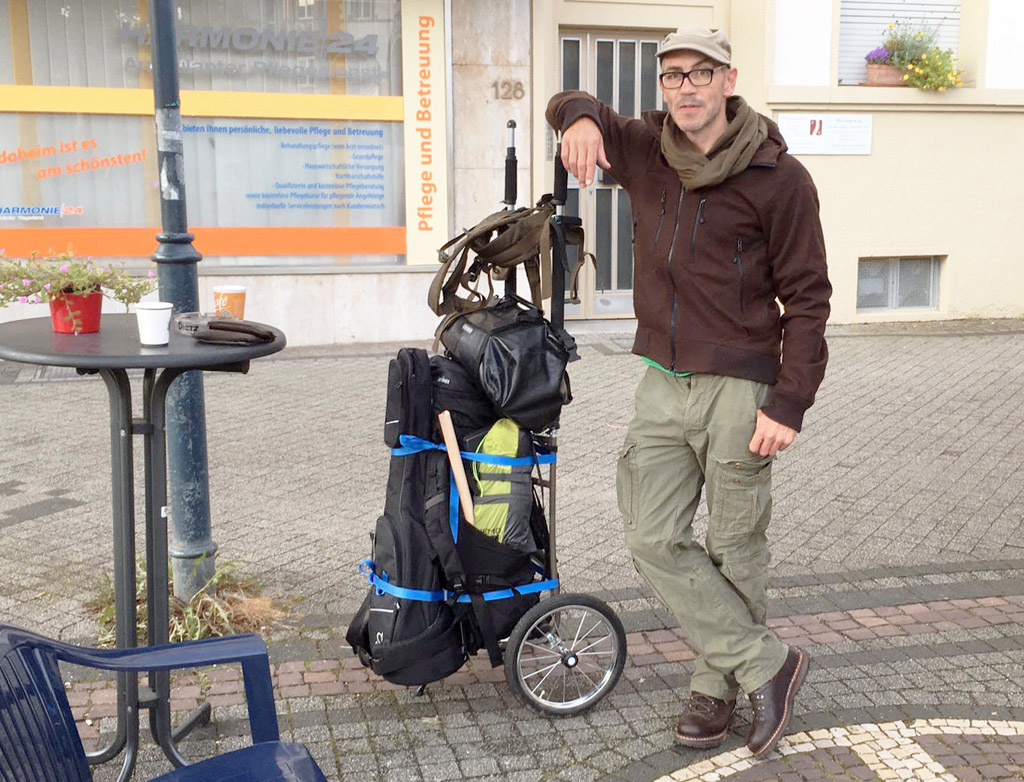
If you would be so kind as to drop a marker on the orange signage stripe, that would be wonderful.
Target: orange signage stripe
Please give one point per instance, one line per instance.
(141, 242)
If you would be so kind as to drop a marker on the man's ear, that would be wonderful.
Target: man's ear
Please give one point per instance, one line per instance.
(730, 82)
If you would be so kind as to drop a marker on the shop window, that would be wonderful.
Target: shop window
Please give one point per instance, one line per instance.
(863, 24)
(898, 283)
(281, 47)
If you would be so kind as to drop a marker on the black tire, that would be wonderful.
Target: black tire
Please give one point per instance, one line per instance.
(565, 654)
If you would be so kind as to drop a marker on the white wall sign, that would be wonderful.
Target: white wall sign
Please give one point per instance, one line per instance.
(826, 134)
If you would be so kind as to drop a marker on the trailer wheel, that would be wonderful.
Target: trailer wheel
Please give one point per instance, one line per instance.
(565, 654)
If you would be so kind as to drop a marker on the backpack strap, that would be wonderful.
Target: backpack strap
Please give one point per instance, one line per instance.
(486, 627)
(500, 242)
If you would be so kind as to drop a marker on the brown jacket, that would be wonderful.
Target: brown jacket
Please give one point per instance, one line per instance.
(709, 264)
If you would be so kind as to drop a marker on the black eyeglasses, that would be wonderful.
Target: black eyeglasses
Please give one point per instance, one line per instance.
(699, 77)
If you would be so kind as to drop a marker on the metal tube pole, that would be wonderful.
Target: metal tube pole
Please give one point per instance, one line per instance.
(192, 548)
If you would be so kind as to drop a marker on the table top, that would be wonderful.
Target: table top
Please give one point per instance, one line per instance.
(116, 346)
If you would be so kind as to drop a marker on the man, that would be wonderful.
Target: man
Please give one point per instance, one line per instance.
(725, 223)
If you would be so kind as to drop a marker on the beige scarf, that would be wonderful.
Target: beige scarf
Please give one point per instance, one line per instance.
(730, 155)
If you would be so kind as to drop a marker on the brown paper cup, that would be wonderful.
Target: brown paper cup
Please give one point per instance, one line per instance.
(229, 301)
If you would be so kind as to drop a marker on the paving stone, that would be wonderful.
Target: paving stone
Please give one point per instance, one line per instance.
(932, 567)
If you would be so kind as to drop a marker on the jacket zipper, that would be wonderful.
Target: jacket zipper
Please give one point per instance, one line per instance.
(675, 233)
(661, 217)
(738, 260)
(697, 221)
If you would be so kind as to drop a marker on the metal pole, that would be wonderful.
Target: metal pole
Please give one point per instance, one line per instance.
(192, 548)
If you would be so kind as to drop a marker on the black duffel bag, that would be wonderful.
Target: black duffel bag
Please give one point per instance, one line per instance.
(517, 358)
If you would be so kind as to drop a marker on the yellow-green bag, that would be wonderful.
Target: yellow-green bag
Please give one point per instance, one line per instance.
(503, 494)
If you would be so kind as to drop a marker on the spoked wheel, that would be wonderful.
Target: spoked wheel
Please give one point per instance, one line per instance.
(565, 654)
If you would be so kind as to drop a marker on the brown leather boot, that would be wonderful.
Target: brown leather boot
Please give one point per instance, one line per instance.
(705, 721)
(773, 703)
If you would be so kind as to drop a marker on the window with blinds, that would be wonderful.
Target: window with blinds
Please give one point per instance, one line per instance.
(863, 23)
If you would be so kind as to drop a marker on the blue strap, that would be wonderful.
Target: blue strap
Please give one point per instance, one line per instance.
(380, 583)
(453, 507)
(422, 595)
(505, 594)
(412, 444)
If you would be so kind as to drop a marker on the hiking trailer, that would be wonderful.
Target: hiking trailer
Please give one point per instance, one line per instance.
(568, 651)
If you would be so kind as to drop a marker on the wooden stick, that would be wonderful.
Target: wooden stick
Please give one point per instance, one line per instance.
(458, 469)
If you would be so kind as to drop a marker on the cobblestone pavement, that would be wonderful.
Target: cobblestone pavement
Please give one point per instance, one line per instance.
(898, 564)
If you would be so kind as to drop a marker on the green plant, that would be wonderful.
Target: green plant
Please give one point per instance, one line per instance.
(227, 604)
(38, 279)
(936, 69)
(906, 43)
(913, 50)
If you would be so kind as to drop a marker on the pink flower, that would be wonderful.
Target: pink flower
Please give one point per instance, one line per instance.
(47, 286)
(23, 299)
(151, 274)
(64, 268)
(26, 282)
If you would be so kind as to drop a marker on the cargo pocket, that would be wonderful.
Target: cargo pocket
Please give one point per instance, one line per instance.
(742, 495)
(626, 484)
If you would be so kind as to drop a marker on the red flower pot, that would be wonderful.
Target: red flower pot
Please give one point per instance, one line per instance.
(76, 314)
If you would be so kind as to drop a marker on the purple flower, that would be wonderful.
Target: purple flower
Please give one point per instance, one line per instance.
(47, 286)
(26, 282)
(151, 274)
(23, 299)
(879, 55)
(63, 268)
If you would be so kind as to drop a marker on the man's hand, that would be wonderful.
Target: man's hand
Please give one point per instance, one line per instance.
(582, 149)
(770, 436)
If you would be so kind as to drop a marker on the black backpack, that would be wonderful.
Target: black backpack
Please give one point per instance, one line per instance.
(424, 613)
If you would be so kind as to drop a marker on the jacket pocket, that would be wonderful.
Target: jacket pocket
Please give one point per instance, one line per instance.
(742, 496)
(626, 485)
(661, 219)
(737, 260)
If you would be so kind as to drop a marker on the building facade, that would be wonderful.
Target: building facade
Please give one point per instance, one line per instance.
(331, 146)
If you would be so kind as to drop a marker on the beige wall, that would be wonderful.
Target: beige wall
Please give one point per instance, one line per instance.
(928, 188)
(944, 176)
(490, 42)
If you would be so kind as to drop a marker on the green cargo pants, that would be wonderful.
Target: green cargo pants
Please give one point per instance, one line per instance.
(688, 432)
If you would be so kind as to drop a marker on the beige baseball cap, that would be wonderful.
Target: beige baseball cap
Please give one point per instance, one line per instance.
(713, 43)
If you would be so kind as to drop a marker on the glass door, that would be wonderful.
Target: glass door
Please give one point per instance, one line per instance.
(621, 70)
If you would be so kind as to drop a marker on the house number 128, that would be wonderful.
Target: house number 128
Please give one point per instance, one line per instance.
(508, 90)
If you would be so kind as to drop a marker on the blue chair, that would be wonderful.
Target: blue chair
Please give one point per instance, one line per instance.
(39, 741)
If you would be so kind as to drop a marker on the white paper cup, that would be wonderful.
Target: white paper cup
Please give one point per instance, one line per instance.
(154, 319)
(229, 301)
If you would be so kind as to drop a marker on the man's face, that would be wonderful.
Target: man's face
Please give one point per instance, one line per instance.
(696, 109)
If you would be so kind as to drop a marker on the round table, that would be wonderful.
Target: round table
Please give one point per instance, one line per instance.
(110, 352)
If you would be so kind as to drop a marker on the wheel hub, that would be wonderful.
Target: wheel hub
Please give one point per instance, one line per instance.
(570, 660)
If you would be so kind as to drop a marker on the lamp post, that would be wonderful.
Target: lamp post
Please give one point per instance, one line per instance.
(191, 546)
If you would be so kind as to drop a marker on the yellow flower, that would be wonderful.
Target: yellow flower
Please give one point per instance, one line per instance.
(942, 89)
(906, 76)
(892, 25)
